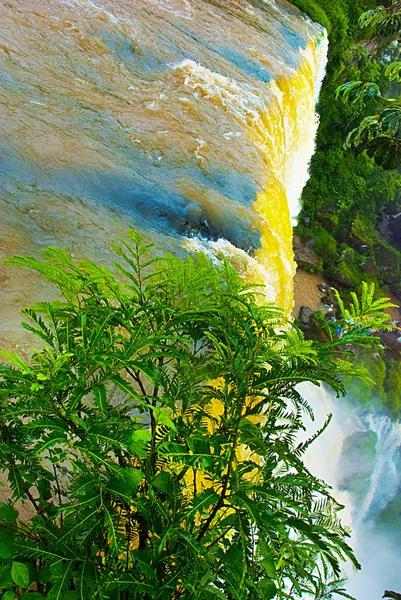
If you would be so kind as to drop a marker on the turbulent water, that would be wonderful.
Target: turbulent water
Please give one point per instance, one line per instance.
(190, 120)
(365, 486)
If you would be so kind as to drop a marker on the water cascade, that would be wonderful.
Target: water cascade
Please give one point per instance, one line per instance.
(359, 455)
(192, 121)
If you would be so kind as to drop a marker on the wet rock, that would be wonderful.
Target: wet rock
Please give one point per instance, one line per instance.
(309, 325)
(388, 261)
(370, 267)
(305, 257)
(396, 289)
(358, 243)
(395, 230)
(327, 216)
(305, 315)
(322, 287)
(327, 220)
(339, 277)
(309, 241)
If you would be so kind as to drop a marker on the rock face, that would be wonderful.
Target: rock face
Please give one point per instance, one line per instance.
(337, 276)
(388, 261)
(395, 230)
(327, 217)
(305, 257)
(370, 267)
(304, 317)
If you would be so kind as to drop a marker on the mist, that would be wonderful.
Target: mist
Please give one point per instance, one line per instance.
(359, 455)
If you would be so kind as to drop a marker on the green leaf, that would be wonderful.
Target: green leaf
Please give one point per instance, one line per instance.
(386, 151)
(228, 521)
(6, 547)
(112, 534)
(127, 482)
(161, 481)
(8, 513)
(139, 442)
(8, 595)
(33, 596)
(202, 502)
(63, 578)
(393, 71)
(144, 567)
(5, 576)
(269, 567)
(44, 575)
(16, 360)
(20, 574)
(173, 449)
(162, 417)
(267, 589)
(100, 399)
(268, 558)
(42, 376)
(126, 387)
(72, 595)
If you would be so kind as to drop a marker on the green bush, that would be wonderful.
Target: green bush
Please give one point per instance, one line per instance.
(363, 229)
(313, 10)
(154, 434)
(351, 183)
(326, 245)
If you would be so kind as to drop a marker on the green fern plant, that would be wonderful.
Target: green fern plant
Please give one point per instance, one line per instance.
(153, 435)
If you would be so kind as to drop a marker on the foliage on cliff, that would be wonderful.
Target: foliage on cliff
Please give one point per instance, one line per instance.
(379, 133)
(154, 437)
(347, 193)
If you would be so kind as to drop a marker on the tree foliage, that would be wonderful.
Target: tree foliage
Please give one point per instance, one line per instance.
(385, 19)
(154, 434)
(348, 192)
(379, 134)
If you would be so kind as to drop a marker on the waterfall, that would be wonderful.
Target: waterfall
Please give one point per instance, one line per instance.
(189, 120)
(376, 551)
(282, 122)
(385, 480)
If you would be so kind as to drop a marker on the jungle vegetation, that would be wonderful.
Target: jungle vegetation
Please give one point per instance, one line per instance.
(348, 192)
(349, 196)
(379, 134)
(153, 434)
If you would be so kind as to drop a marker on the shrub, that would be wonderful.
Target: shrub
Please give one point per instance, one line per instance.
(313, 10)
(154, 436)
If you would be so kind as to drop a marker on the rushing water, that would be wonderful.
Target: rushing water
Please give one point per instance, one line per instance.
(343, 465)
(191, 120)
